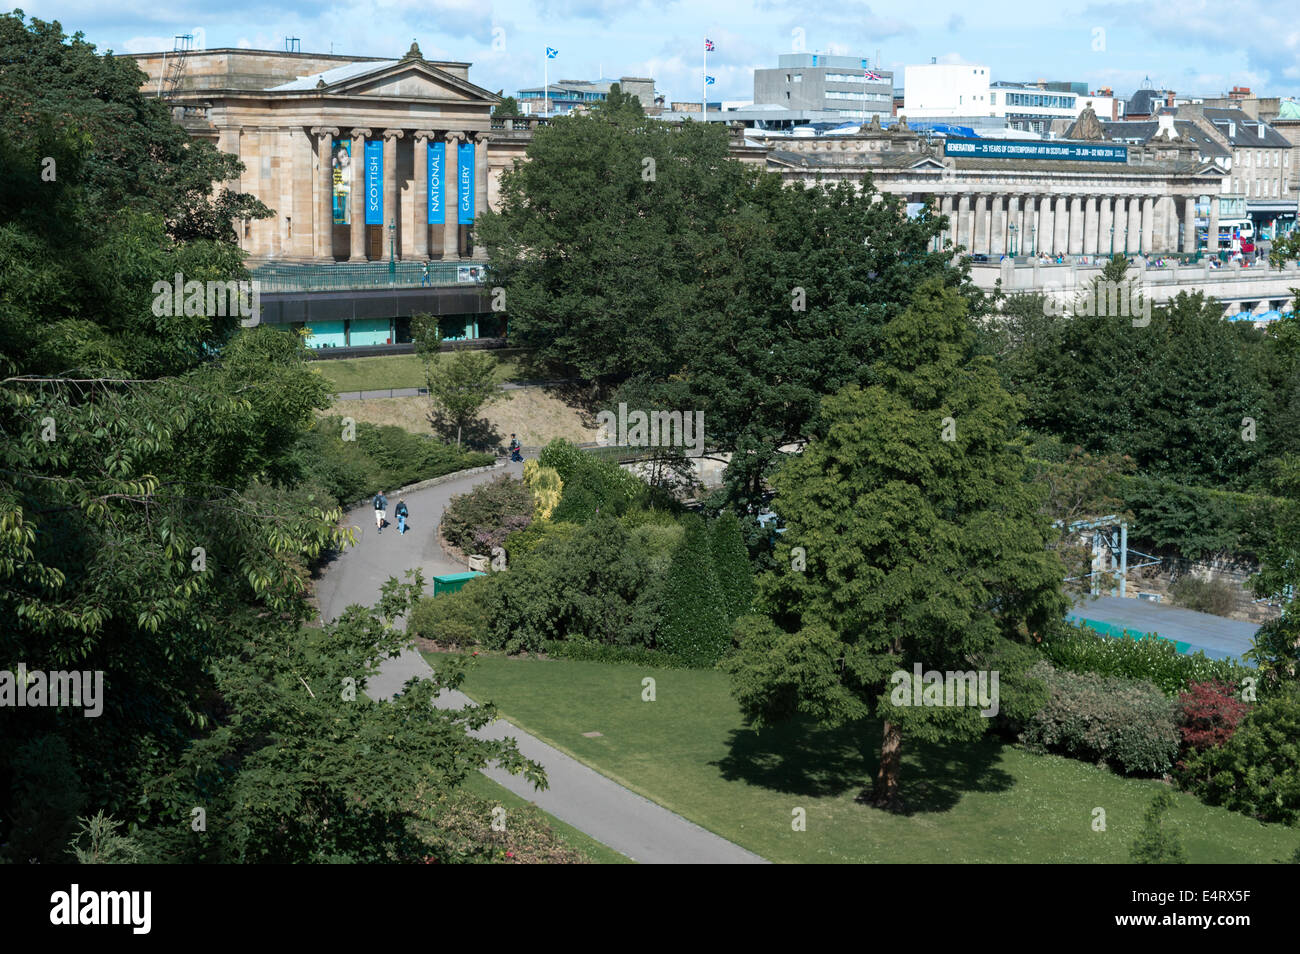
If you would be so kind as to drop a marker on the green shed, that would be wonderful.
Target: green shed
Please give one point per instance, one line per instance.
(451, 582)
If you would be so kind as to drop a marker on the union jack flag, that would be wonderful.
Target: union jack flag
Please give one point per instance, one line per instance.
(708, 45)
(872, 75)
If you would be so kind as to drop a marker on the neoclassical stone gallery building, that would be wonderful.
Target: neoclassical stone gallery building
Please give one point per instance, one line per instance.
(359, 157)
(366, 158)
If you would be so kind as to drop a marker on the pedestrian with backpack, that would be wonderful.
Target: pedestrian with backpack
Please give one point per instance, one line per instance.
(381, 507)
(401, 513)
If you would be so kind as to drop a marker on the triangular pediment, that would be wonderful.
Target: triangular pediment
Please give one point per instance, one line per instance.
(411, 79)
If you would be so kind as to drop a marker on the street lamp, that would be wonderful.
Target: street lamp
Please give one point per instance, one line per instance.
(1033, 238)
(1012, 229)
(392, 245)
(1112, 241)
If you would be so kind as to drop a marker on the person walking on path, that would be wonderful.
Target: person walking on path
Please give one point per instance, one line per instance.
(424, 275)
(514, 449)
(381, 508)
(400, 511)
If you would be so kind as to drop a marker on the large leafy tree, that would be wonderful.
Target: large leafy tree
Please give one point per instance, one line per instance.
(638, 254)
(918, 549)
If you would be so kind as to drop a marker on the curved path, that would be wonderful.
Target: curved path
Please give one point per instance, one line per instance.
(578, 795)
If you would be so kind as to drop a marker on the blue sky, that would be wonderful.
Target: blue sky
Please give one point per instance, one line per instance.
(1192, 46)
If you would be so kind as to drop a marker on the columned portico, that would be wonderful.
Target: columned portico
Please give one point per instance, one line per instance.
(1091, 221)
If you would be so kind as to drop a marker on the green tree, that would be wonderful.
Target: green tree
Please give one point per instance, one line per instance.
(923, 540)
(460, 385)
(695, 626)
(1156, 845)
(508, 106)
(731, 564)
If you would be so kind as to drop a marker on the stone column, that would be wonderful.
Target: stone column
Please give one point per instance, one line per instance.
(1046, 226)
(1105, 220)
(1091, 223)
(1148, 222)
(392, 196)
(997, 226)
(1189, 224)
(1061, 220)
(1015, 217)
(323, 226)
(980, 239)
(1212, 231)
(963, 223)
(1076, 225)
(420, 179)
(481, 177)
(358, 227)
(451, 231)
(1119, 216)
(1135, 224)
(945, 209)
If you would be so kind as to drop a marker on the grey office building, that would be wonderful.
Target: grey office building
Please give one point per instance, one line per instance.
(819, 81)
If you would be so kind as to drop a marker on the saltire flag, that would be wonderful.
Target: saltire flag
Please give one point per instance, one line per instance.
(708, 81)
(708, 45)
(552, 53)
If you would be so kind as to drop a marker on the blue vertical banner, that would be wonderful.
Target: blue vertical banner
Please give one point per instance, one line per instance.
(437, 183)
(374, 182)
(466, 183)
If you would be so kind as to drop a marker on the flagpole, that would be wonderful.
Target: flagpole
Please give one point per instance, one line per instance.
(546, 81)
(704, 84)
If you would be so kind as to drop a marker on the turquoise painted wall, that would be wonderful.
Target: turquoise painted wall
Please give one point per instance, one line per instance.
(370, 331)
(326, 334)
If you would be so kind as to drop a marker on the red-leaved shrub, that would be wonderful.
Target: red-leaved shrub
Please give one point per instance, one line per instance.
(1208, 713)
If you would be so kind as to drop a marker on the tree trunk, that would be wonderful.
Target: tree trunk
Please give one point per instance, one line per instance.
(885, 794)
(457, 437)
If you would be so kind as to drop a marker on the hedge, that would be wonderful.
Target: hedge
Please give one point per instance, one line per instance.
(1124, 723)
(1081, 649)
(695, 624)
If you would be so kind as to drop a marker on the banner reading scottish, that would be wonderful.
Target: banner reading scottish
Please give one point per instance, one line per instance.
(466, 186)
(374, 182)
(437, 186)
(342, 160)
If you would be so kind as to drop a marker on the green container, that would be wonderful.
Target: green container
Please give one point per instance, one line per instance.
(451, 582)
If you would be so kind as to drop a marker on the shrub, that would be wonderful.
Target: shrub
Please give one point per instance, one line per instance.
(484, 516)
(522, 542)
(1121, 722)
(1082, 649)
(462, 618)
(1154, 844)
(591, 485)
(1257, 771)
(593, 584)
(731, 563)
(695, 625)
(546, 486)
(1208, 714)
(1218, 596)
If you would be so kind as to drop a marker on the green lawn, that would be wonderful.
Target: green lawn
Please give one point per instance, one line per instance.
(389, 371)
(985, 802)
(488, 790)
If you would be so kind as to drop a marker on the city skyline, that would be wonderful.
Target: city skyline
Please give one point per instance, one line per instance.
(1102, 44)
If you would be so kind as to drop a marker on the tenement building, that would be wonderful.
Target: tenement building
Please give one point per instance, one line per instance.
(361, 158)
(1079, 196)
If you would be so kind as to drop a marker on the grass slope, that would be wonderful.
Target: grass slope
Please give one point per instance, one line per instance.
(987, 802)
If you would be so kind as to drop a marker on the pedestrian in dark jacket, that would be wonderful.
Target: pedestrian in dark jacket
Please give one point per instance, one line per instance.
(380, 503)
(401, 512)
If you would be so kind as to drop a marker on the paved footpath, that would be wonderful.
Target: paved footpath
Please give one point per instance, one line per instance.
(578, 795)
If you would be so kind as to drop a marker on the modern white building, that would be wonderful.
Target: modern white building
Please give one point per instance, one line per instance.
(965, 91)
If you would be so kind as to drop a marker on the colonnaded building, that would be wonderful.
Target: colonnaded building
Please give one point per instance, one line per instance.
(375, 166)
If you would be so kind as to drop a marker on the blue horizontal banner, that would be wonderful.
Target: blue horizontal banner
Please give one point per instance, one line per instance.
(1017, 149)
